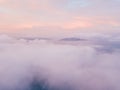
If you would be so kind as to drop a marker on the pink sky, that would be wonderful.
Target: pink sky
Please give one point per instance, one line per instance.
(59, 16)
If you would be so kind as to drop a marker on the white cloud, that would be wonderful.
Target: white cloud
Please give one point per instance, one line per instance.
(81, 67)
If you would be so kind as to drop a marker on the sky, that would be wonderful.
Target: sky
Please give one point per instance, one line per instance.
(84, 53)
(57, 17)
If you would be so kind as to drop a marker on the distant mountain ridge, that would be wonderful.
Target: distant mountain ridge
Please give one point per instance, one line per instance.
(34, 38)
(72, 39)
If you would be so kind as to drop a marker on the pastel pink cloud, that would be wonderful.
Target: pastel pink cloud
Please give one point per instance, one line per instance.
(17, 15)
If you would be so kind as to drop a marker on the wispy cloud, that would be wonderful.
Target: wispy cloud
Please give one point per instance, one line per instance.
(96, 15)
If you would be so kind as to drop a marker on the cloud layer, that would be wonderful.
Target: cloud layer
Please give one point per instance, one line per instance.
(62, 65)
(23, 16)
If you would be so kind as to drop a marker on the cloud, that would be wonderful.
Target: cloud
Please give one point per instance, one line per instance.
(84, 15)
(61, 66)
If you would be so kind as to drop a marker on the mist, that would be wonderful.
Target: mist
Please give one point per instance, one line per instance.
(52, 64)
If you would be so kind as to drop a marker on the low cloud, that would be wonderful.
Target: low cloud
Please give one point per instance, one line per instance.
(62, 66)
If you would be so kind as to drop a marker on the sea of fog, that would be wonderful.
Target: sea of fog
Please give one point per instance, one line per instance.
(86, 62)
